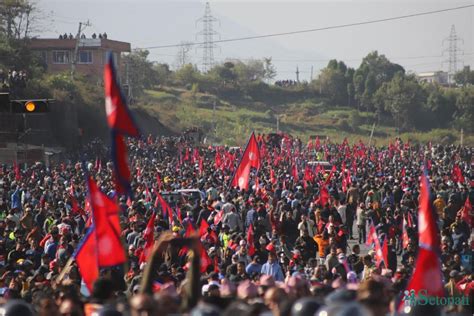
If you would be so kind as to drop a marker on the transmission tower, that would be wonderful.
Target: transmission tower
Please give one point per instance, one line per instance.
(207, 35)
(453, 53)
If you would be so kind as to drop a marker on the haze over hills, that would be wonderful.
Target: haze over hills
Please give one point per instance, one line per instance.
(414, 43)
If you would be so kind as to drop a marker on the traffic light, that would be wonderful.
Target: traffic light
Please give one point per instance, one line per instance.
(30, 106)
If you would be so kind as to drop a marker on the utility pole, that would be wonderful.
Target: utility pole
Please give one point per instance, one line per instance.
(453, 53)
(297, 74)
(207, 34)
(76, 48)
(214, 127)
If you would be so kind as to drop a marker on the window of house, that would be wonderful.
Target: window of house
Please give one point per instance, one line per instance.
(85, 57)
(60, 57)
(44, 56)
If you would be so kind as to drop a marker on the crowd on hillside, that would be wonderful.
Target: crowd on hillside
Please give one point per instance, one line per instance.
(306, 253)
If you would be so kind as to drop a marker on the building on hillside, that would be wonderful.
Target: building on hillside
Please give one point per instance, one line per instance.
(439, 77)
(57, 53)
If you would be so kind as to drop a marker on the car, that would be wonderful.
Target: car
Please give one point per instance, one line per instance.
(324, 164)
(172, 198)
(191, 195)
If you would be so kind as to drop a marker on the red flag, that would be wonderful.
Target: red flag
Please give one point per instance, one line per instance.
(405, 238)
(158, 181)
(218, 217)
(203, 228)
(107, 227)
(251, 246)
(205, 260)
(147, 195)
(427, 273)
(17, 171)
(201, 168)
(344, 184)
(74, 205)
(318, 143)
(323, 194)
(333, 169)
(456, 175)
(294, 172)
(218, 160)
(272, 176)
(87, 259)
(188, 233)
(122, 176)
(409, 219)
(466, 212)
(385, 251)
(119, 117)
(97, 164)
(165, 208)
(250, 158)
(149, 237)
(372, 236)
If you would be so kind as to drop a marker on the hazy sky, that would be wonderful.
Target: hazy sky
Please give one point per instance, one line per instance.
(415, 43)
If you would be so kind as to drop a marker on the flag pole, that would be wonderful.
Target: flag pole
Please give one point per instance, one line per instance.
(66, 269)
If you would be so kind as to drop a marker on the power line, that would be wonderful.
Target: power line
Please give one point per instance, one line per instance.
(322, 28)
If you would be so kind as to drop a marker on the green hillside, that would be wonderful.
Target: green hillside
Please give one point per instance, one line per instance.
(178, 109)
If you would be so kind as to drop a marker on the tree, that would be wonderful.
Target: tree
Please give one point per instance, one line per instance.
(441, 105)
(403, 98)
(380, 70)
(163, 72)
(16, 18)
(464, 114)
(187, 75)
(141, 74)
(270, 71)
(334, 82)
(465, 76)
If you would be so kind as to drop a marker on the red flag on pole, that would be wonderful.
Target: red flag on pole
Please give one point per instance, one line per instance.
(372, 236)
(158, 181)
(205, 260)
(149, 237)
(272, 176)
(385, 251)
(323, 194)
(250, 158)
(107, 227)
(122, 175)
(17, 171)
(427, 275)
(294, 172)
(218, 217)
(405, 238)
(87, 258)
(466, 212)
(119, 117)
(456, 175)
(251, 246)
(165, 208)
(203, 228)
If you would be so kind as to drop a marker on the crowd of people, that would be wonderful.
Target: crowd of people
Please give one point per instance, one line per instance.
(305, 254)
(286, 83)
(13, 81)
